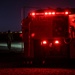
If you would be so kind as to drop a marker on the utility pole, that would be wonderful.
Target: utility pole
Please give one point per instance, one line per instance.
(23, 10)
(22, 13)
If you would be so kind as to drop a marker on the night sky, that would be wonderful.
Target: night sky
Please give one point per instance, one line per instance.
(10, 11)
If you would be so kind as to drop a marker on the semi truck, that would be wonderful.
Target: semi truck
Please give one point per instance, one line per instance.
(49, 33)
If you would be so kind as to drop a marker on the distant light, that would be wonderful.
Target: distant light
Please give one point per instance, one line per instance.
(21, 35)
(20, 31)
(43, 62)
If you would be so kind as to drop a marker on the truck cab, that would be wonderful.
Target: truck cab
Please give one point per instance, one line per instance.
(46, 34)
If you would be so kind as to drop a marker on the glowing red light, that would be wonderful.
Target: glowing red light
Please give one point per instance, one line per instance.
(33, 34)
(21, 35)
(56, 42)
(66, 12)
(46, 13)
(53, 13)
(50, 13)
(33, 14)
(31, 62)
(44, 42)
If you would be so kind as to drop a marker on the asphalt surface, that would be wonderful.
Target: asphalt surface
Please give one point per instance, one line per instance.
(36, 71)
(15, 47)
(13, 63)
(15, 58)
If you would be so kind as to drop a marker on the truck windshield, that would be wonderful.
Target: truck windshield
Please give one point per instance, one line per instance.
(49, 27)
(60, 26)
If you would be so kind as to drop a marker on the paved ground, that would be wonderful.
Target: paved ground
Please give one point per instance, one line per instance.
(36, 71)
(13, 64)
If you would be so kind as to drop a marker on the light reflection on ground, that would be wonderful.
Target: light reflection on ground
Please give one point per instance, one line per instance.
(18, 46)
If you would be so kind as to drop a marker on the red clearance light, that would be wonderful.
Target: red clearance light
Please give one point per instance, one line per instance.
(53, 13)
(50, 13)
(33, 34)
(66, 12)
(33, 14)
(56, 42)
(44, 42)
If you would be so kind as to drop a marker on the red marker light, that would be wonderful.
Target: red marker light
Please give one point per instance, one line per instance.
(56, 42)
(66, 12)
(53, 13)
(44, 42)
(33, 14)
(50, 13)
(46, 13)
(33, 34)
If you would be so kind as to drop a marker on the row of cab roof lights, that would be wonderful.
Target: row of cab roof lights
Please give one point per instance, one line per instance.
(49, 13)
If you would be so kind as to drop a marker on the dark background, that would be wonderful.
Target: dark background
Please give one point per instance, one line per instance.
(10, 11)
